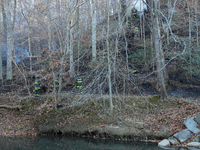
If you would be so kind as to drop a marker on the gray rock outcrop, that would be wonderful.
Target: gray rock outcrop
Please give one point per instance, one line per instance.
(198, 119)
(173, 141)
(197, 138)
(183, 135)
(192, 148)
(164, 143)
(191, 125)
(194, 144)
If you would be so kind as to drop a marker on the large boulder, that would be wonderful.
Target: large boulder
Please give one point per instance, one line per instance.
(198, 119)
(192, 148)
(191, 125)
(173, 141)
(183, 135)
(194, 144)
(197, 138)
(164, 143)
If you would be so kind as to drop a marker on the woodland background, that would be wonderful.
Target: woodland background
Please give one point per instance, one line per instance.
(90, 37)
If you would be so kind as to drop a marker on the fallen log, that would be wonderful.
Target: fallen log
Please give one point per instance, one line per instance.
(11, 107)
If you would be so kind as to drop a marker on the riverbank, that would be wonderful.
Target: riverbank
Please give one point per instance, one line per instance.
(144, 118)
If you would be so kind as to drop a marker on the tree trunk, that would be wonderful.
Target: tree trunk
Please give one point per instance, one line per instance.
(1, 67)
(58, 10)
(190, 40)
(10, 43)
(169, 15)
(72, 73)
(161, 71)
(144, 38)
(197, 22)
(70, 33)
(67, 24)
(190, 24)
(94, 49)
(150, 9)
(78, 31)
(123, 8)
(128, 8)
(4, 17)
(49, 27)
(97, 12)
(13, 23)
(29, 38)
(29, 43)
(109, 63)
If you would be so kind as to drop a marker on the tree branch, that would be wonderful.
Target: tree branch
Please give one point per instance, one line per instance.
(11, 107)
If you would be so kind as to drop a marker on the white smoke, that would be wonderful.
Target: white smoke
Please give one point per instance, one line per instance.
(140, 6)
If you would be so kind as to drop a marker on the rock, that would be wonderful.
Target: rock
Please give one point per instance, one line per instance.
(194, 144)
(197, 138)
(198, 119)
(164, 143)
(183, 135)
(191, 125)
(173, 141)
(173, 148)
(191, 148)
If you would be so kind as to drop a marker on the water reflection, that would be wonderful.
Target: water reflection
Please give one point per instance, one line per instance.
(72, 143)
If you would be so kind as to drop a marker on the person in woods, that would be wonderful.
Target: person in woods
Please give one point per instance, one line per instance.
(79, 84)
(37, 86)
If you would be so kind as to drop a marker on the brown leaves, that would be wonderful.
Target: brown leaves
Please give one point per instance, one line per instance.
(12, 125)
(173, 117)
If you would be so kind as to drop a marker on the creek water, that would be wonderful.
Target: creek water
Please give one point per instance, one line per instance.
(72, 143)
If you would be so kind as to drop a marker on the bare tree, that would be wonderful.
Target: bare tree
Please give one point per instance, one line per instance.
(98, 17)
(10, 44)
(78, 30)
(1, 67)
(197, 21)
(28, 19)
(123, 8)
(93, 9)
(29, 36)
(49, 27)
(4, 17)
(157, 43)
(108, 57)
(71, 21)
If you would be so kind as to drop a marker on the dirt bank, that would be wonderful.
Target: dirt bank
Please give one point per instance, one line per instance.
(140, 118)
